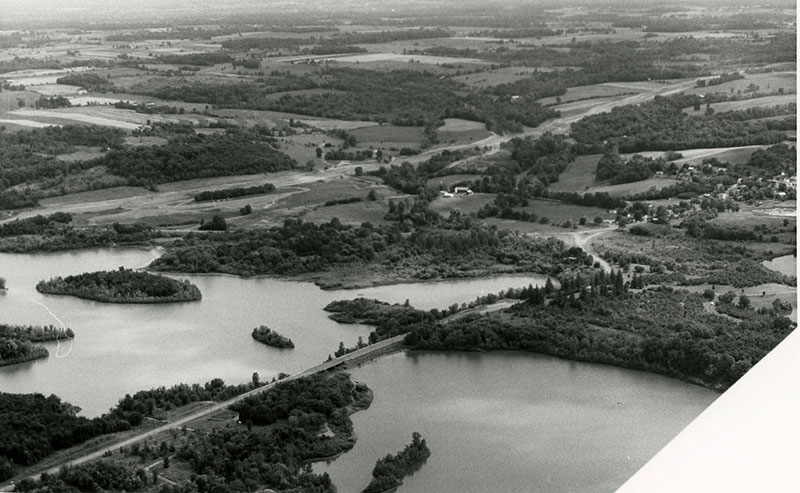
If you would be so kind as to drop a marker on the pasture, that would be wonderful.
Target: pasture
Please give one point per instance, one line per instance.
(633, 188)
(465, 204)
(595, 91)
(388, 134)
(558, 212)
(767, 82)
(578, 175)
(765, 102)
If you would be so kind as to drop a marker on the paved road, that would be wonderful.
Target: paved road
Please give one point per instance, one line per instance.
(365, 352)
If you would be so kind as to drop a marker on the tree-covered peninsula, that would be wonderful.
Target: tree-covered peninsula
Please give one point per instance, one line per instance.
(18, 342)
(390, 471)
(265, 335)
(122, 286)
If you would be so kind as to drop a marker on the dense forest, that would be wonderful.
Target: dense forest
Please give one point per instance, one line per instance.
(661, 125)
(36, 426)
(122, 286)
(275, 456)
(196, 156)
(453, 248)
(265, 335)
(389, 471)
(55, 232)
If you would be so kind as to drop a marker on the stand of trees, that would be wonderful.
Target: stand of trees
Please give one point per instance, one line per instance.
(29, 235)
(122, 286)
(389, 472)
(265, 335)
(232, 193)
(187, 157)
(17, 342)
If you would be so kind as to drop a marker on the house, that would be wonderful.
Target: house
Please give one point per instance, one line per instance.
(460, 190)
(446, 195)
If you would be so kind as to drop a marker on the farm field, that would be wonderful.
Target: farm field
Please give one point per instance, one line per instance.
(578, 175)
(558, 212)
(765, 102)
(465, 204)
(767, 82)
(624, 189)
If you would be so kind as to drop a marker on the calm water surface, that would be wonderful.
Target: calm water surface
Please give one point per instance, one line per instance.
(514, 422)
(786, 264)
(120, 349)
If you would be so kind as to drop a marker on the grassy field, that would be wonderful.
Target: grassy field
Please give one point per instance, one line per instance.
(357, 213)
(624, 189)
(492, 78)
(579, 174)
(768, 82)
(765, 102)
(388, 134)
(558, 212)
(595, 91)
(466, 204)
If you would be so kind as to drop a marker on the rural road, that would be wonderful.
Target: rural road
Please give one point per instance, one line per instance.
(366, 352)
(582, 240)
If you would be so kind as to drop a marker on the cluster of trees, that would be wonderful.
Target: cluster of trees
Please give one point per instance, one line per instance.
(187, 157)
(57, 236)
(389, 471)
(319, 394)
(346, 200)
(217, 223)
(35, 225)
(28, 156)
(254, 457)
(232, 193)
(35, 426)
(662, 331)
(132, 409)
(101, 475)
(52, 102)
(612, 167)
(265, 335)
(122, 286)
(90, 81)
(202, 59)
(660, 125)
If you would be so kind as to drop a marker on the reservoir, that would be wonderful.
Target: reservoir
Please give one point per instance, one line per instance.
(786, 264)
(500, 421)
(511, 421)
(123, 348)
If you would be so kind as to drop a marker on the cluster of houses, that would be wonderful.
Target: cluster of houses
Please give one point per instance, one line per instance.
(457, 191)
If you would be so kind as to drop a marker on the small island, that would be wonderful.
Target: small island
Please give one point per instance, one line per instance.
(265, 335)
(389, 472)
(122, 286)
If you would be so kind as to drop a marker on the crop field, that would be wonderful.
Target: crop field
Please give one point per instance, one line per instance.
(317, 193)
(388, 134)
(597, 91)
(54, 90)
(558, 212)
(464, 136)
(107, 116)
(459, 125)
(579, 174)
(633, 188)
(495, 77)
(399, 57)
(466, 204)
(733, 155)
(447, 182)
(769, 82)
(765, 102)
(357, 213)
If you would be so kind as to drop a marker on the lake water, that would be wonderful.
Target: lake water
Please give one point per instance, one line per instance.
(508, 421)
(786, 264)
(120, 349)
(495, 421)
